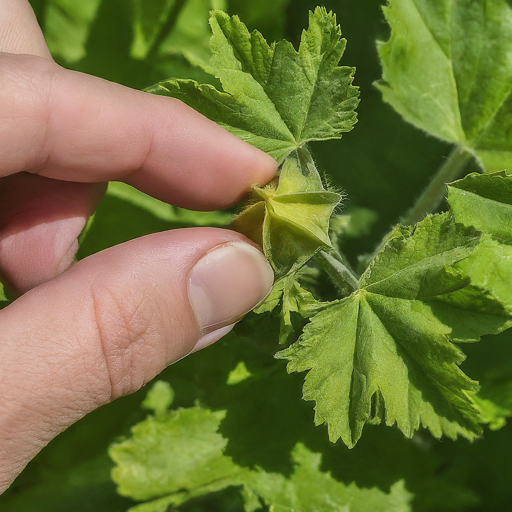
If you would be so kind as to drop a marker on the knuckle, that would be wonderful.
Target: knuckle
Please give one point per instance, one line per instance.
(27, 86)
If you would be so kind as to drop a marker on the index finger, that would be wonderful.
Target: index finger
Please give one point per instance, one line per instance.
(70, 126)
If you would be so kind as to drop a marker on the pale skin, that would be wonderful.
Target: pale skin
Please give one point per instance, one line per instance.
(83, 334)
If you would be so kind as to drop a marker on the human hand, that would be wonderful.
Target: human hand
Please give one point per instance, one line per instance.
(83, 335)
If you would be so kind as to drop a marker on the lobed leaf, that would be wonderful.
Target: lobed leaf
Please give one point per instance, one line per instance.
(485, 202)
(297, 306)
(447, 70)
(274, 97)
(172, 459)
(386, 353)
(170, 453)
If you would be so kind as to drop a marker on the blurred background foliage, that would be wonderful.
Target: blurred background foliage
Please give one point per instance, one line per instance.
(382, 165)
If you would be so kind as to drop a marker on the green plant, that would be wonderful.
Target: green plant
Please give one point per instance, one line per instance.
(378, 333)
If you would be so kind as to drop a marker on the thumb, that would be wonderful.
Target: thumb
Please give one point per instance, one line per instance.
(112, 322)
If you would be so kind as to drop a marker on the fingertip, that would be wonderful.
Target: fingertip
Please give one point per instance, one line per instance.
(266, 166)
(33, 252)
(257, 167)
(40, 221)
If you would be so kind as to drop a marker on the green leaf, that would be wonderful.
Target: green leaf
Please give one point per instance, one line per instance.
(386, 351)
(485, 202)
(308, 489)
(190, 34)
(490, 268)
(176, 27)
(492, 414)
(447, 70)
(172, 453)
(289, 219)
(148, 19)
(173, 459)
(274, 97)
(67, 26)
(297, 307)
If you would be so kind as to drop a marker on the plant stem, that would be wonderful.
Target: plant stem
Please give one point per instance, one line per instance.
(434, 194)
(342, 277)
(171, 20)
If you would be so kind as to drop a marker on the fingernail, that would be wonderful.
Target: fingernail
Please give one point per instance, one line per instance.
(226, 283)
(209, 339)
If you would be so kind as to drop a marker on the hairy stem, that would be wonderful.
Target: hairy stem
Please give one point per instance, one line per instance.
(434, 194)
(166, 27)
(340, 274)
